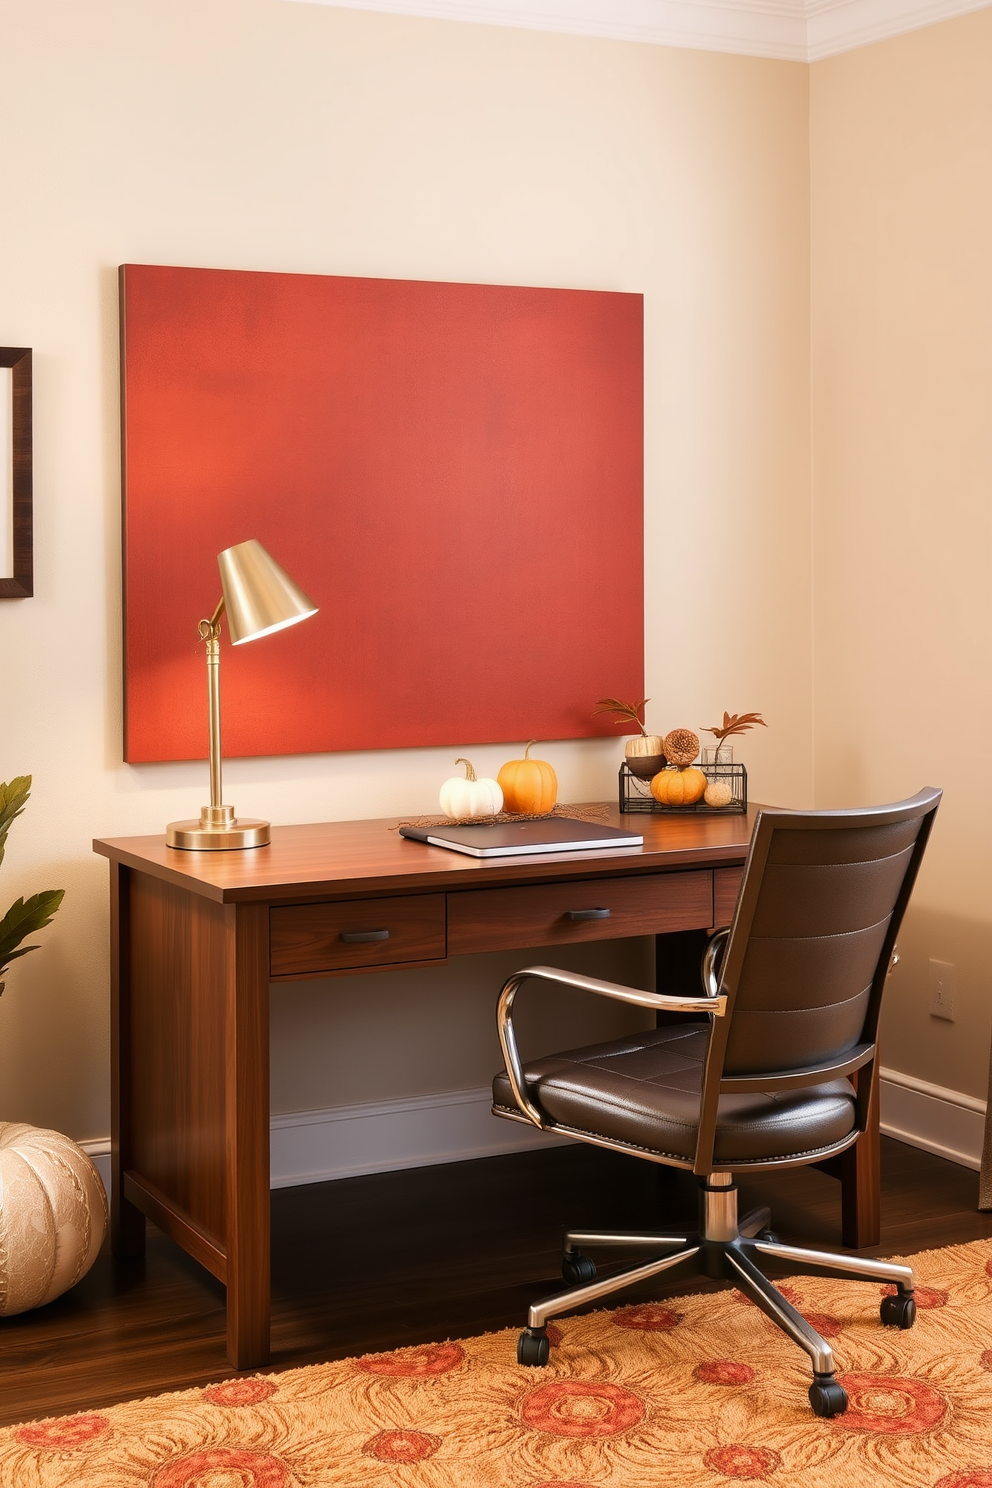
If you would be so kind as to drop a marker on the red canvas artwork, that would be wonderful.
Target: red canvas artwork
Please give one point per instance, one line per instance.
(453, 472)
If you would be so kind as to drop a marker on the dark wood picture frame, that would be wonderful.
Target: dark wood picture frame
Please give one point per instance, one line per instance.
(20, 585)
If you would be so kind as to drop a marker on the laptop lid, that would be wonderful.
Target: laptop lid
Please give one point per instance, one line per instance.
(512, 839)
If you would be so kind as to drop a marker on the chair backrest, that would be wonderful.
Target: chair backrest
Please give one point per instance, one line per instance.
(811, 942)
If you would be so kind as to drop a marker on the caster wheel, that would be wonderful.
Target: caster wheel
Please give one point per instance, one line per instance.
(578, 1269)
(898, 1311)
(827, 1398)
(768, 1235)
(533, 1349)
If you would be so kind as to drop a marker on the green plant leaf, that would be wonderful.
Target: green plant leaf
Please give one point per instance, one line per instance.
(22, 952)
(13, 799)
(23, 918)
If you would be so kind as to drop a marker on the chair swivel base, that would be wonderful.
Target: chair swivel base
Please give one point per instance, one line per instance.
(722, 1248)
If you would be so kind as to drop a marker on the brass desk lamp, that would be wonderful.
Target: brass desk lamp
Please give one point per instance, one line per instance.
(259, 598)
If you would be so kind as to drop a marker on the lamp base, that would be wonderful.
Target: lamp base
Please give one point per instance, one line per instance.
(218, 830)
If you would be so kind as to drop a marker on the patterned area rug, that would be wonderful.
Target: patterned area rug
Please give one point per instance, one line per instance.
(702, 1390)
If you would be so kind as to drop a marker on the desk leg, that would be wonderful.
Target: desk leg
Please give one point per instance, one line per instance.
(127, 1223)
(860, 1180)
(247, 1123)
(191, 1104)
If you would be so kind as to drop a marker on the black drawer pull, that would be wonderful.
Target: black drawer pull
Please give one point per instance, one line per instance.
(352, 937)
(587, 914)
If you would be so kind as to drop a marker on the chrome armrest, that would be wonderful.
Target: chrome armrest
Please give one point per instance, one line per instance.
(711, 958)
(714, 1006)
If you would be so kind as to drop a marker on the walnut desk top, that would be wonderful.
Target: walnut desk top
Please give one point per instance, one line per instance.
(341, 859)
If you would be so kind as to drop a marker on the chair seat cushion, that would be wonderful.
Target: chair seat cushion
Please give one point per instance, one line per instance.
(644, 1091)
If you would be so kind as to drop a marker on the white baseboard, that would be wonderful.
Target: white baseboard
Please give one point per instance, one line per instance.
(100, 1153)
(312, 1146)
(932, 1117)
(345, 1141)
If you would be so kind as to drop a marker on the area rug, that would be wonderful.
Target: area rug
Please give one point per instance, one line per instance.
(702, 1390)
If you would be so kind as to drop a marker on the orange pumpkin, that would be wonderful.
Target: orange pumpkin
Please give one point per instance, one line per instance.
(529, 786)
(678, 787)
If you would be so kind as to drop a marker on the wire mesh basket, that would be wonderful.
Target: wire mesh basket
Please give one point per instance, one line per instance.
(635, 794)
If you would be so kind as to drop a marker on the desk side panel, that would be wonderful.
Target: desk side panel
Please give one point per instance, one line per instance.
(181, 960)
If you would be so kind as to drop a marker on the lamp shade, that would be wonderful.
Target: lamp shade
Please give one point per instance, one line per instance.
(259, 596)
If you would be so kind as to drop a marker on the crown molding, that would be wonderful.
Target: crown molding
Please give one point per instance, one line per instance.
(834, 26)
(787, 30)
(755, 28)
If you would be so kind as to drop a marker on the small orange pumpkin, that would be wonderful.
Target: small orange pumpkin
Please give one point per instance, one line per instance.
(678, 787)
(529, 785)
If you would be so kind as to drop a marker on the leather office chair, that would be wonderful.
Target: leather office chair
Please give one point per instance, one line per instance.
(792, 991)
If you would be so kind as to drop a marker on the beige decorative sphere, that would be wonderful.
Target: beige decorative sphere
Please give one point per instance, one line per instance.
(718, 793)
(53, 1216)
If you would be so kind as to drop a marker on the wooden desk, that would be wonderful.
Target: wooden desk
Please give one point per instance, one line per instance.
(198, 937)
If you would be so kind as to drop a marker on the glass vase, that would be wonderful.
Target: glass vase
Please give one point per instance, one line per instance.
(717, 754)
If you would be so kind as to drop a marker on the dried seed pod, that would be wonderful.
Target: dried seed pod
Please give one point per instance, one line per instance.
(681, 747)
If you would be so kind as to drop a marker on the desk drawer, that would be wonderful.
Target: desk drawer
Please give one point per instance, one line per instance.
(726, 883)
(563, 913)
(305, 939)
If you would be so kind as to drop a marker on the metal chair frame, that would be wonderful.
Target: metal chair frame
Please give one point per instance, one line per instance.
(724, 1246)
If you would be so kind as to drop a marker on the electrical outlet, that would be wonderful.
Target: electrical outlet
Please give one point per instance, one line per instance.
(942, 990)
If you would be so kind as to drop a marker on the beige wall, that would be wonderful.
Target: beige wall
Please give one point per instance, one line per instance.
(901, 150)
(263, 135)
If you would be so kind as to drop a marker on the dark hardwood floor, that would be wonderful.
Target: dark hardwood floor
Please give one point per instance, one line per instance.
(374, 1263)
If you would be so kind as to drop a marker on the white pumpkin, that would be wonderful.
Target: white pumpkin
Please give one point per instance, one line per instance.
(470, 797)
(53, 1216)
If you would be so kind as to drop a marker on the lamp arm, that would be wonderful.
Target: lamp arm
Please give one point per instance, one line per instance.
(263, 599)
(209, 631)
